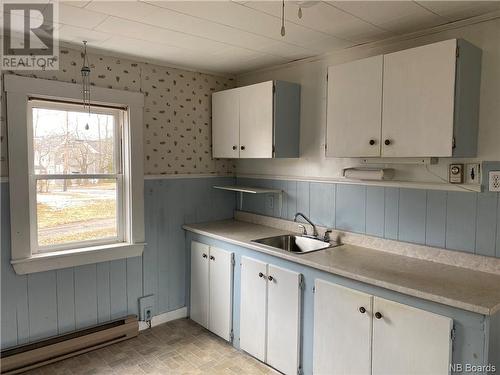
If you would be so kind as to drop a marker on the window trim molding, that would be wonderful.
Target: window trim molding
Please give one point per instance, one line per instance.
(18, 91)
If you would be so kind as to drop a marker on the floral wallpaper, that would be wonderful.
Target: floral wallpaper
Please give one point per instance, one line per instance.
(177, 110)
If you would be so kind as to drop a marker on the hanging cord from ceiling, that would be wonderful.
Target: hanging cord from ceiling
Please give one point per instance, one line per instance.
(85, 71)
(283, 31)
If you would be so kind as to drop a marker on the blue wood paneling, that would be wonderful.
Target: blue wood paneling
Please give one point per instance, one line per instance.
(303, 197)
(118, 288)
(435, 226)
(65, 300)
(103, 293)
(486, 226)
(322, 203)
(290, 199)
(375, 210)
(391, 213)
(412, 214)
(350, 206)
(85, 295)
(42, 301)
(461, 221)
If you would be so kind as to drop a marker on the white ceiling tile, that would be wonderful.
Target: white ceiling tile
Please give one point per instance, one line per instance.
(76, 34)
(133, 10)
(74, 16)
(456, 10)
(75, 3)
(395, 16)
(136, 30)
(245, 18)
(323, 18)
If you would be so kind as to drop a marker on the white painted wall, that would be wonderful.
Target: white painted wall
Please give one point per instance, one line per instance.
(311, 75)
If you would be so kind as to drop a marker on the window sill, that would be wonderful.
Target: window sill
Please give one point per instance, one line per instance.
(76, 257)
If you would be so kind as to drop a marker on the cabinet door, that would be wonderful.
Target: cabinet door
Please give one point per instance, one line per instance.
(199, 283)
(225, 124)
(419, 95)
(409, 341)
(354, 110)
(256, 120)
(283, 319)
(221, 292)
(342, 330)
(253, 307)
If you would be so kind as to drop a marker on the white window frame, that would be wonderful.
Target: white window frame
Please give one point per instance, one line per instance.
(25, 254)
(118, 176)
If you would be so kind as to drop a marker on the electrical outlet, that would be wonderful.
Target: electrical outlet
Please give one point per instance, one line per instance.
(146, 307)
(495, 181)
(472, 173)
(148, 313)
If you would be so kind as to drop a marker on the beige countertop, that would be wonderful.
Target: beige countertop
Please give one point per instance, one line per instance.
(462, 288)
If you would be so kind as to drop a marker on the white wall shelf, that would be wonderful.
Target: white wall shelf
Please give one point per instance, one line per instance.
(253, 190)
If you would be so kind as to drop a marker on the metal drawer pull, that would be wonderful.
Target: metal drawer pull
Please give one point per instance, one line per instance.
(204, 255)
(378, 315)
(212, 257)
(362, 310)
(270, 278)
(261, 274)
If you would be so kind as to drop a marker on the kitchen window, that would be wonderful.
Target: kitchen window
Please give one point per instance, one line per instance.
(75, 175)
(76, 189)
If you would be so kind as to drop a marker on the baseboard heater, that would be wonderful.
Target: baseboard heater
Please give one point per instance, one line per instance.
(26, 357)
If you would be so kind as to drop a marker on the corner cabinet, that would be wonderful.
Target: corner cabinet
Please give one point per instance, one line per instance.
(357, 333)
(419, 102)
(257, 121)
(212, 288)
(270, 314)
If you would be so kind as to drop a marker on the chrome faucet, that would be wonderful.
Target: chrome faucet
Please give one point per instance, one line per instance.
(315, 231)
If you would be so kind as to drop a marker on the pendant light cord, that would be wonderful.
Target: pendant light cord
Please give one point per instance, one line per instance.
(283, 18)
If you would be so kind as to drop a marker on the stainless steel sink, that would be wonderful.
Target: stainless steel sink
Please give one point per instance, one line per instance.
(295, 244)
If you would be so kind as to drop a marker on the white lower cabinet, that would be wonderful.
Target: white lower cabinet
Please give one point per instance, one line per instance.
(212, 288)
(270, 314)
(356, 333)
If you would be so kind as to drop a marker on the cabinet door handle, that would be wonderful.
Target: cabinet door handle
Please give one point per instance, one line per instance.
(242, 147)
(372, 142)
(212, 257)
(362, 310)
(235, 147)
(387, 142)
(378, 315)
(204, 255)
(261, 274)
(270, 278)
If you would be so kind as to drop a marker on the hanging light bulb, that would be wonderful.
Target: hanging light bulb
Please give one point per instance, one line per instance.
(299, 14)
(283, 31)
(85, 71)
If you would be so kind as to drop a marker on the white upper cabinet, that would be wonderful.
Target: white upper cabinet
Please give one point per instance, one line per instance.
(225, 120)
(355, 108)
(420, 102)
(257, 121)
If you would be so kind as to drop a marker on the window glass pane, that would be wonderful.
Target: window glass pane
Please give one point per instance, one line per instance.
(76, 210)
(68, 142)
